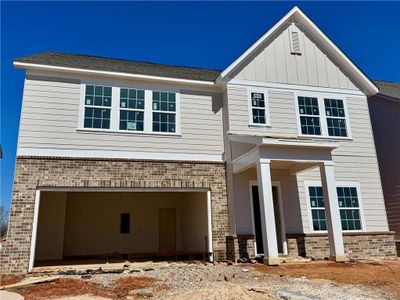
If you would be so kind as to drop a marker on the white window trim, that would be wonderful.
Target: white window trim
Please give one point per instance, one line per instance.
(177, 111)
(266, 108)
(308, 183)
(130, 109)
(115, 109)
(322, 116)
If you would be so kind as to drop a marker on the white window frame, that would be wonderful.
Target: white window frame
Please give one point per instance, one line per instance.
(176, 112)
(115, 108)
(355, 184)
(131, 109)
(266, 108)
(322, 115)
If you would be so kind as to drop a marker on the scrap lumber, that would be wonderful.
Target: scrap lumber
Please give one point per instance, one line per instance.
(31, 281)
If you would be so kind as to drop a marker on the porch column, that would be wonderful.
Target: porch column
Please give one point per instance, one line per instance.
(332, 212)
(267, 213)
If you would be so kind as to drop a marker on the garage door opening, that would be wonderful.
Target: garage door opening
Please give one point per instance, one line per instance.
(96, 227)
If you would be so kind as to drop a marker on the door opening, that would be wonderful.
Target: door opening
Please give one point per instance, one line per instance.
(259, 248)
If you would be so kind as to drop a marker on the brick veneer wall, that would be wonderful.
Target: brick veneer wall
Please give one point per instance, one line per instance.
(358, 245)
(34, 172)
(240, 246)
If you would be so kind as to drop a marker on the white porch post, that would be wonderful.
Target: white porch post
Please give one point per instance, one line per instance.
(267, 213)
(332, 212)
(209, 227)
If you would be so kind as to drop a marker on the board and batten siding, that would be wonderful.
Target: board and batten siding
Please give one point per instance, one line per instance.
(386, 126)
(354, 160)
(50, 113)
(275, 63)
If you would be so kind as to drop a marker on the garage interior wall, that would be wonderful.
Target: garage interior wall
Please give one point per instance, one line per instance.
(88, 223)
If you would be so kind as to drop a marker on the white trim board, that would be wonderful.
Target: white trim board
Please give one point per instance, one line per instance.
(118, 154)
(295, 14)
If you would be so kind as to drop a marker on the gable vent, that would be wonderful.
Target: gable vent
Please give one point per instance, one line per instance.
(295, 42)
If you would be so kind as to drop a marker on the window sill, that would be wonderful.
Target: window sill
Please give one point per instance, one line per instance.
(259, 126)
(126, 132)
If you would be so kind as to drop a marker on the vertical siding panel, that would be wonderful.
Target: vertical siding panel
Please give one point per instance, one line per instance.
(302, 68)
(333, 80)
(309, 54)
(291, 66)
(260, 67)
(280, 59)
(321, 67)
(270, 63)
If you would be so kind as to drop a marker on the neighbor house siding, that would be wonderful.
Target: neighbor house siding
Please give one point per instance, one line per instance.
(50, 114)
(275, 63)
(386, 125)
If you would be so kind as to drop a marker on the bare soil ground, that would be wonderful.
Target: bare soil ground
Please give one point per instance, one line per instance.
(181, 281)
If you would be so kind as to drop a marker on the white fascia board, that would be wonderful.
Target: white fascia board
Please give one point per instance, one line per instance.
(368, 85)
(22, 65)
(298, 143)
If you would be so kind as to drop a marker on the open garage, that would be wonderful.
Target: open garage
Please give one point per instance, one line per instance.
(74, 226)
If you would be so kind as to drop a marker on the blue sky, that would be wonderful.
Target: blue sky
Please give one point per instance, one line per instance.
(204, 34)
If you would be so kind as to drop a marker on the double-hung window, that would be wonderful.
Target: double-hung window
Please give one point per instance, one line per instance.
(309, 115)
(335, 117)
(317, 207)
(131, 114)
(97, 107)
(258, 108)
(349, 208)
(164, 112)
(322, 116)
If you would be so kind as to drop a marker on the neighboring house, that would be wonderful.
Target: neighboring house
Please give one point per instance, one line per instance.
(384, 109)
(272, 156)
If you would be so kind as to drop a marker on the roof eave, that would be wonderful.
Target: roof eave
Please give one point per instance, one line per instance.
(44, 67)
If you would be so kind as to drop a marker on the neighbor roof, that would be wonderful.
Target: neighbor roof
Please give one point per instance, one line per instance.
(98, 63)
(388, 88)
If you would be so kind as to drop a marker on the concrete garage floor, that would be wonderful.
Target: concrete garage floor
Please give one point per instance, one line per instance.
(197, 280)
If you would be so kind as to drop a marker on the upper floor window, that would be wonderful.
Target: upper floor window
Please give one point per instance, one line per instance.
(349, 208)
(164, 112)
(258, 107)
(319, 116)
(131, 114)
(309, 116)
(335, 117)
(128, 109)
(97, 107)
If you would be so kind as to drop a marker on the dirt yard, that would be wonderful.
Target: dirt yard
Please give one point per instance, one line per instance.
(181, 281)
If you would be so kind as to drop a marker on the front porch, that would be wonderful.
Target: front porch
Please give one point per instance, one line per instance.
(267, 195)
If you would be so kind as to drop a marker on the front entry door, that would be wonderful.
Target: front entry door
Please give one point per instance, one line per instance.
(167, 229)
(257, 219)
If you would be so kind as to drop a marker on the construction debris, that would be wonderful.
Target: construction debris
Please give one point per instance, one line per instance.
(32, 280)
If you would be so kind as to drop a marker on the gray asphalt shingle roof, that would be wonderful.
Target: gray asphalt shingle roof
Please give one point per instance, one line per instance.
(388, 88)
(120, 65)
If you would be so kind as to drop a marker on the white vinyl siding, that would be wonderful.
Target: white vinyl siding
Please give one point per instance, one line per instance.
(50, 119)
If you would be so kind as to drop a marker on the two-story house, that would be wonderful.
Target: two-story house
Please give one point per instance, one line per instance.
(274, 156)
